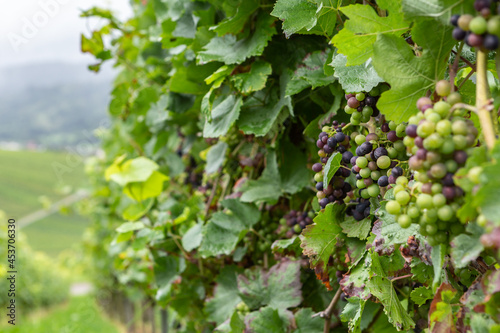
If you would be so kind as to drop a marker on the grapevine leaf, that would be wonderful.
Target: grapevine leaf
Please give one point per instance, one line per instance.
(440, 312)
(389, 229)
(489, 192)
(422, 272)
(223, 117)
(287, 245)
(482, 322)
(438, 256)
(352, 313)
(354, 283)
(467, 247)
(296, 15)
(279, 287)
(136, 170)
(421, 295)
(409, 76)
(356, 39)
(192, 238)
(355, 78)
(267, 187)
(440, 10)
(226, 297)
(306, 323)
(223, 231)
(229, 50)
(130, 226)
(358, 229)
(294, 175)
(331, 167)
(151, 188)
(166, 270)
(235, 24)
(320, 238)
(266, 320)
(386, 266)
(215, 157)
(382, 289)
(255, 79)
(310, 74)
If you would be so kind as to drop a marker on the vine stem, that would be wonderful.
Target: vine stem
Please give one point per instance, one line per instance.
(482, 92)
(327, 313)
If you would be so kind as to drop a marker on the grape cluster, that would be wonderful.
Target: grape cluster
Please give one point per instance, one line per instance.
(438, 139)
(481, 31)
(294, 222)
(361, 106)
(337, 189)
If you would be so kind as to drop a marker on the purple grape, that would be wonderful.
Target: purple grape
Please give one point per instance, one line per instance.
(320, 144)
(332, 142)
(317, 167)
(454, 20)
(490, 42)
(411, 131)
(459, 34)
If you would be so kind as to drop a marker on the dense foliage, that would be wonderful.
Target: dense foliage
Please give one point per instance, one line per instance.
(301, 166)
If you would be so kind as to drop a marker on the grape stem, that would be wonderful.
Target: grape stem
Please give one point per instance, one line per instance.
(454, 67)
(482, 92)
(463, 106)
(327, 313)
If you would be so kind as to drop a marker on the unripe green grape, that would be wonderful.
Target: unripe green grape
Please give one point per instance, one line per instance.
(413, 120)
(375, 175)
(365, 194)
(321, 153)
(442, 225)
(460, 142)
(365, 172)
(402, 180)
(478, 25)
(325, 129)
(459, 113)
(413, 212)
(297, 228)
(404, 221)
(356, 115)
(451, 166)
(414, 150)
(408, 141)
(482, 221)
(443, 127)
(436, 188)
(454, 98)
(392, 152)
(318, 177)
(360, 96)
(399, 146)
(367, 111)
(431, 229)
(398, 188)
(443, 88)
(470, 140)
(445, 213)
(448, 147)
(459, 127)
(433, 117)
(355, 121)
(431, 215)
(441, 237)
(457, 228)
(383, 162)
(438, 200)
(365, 118)
(433, 157)
(400, 130)
(360, 183)
(424, 201)
(422, 177)
(393, 207)
(403, 198)
(474, 174)
(283, 221)
(320, 195)
(493, 26)
(393, 125)
(369, 157)
(425, 129)
(442, 108)
(360, 139)
(354, 135)
(349, 110)
(373, 190)
(362, 162)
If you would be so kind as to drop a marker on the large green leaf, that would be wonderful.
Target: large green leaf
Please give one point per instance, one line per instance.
(352, 313)
(215, 157)
(467, 247)
(321, 237)
(382, 289)
(355, 78)
(438, 9)
(279, 288)
(229, 50)
(296, 15)
(225, 230)
(306, 323)
(223, 117)
(410, 76)
(235, 24)
(356, 39)
(310, 74)
(266, 320)
(255, 79)
(226, 297)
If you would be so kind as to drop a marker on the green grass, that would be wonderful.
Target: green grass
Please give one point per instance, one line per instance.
(79, 315)
(56, 233)
(27, 175)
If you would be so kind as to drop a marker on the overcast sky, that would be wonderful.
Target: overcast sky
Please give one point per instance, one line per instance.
(47, 30)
